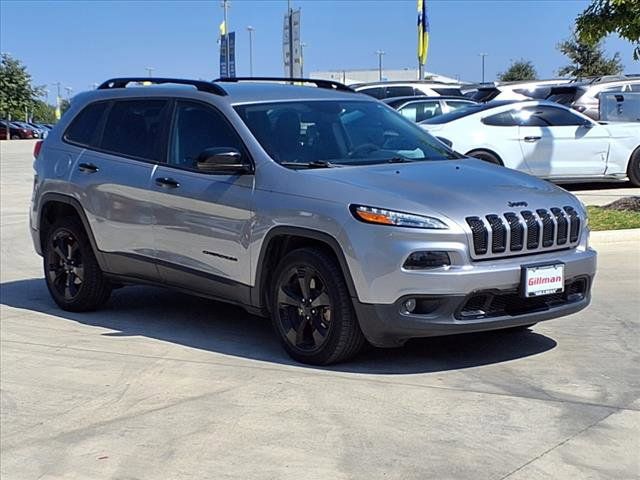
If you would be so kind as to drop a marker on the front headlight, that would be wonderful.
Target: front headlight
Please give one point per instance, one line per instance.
(381, 216)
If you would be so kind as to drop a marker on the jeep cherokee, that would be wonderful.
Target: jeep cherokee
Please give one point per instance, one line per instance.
(312, 204)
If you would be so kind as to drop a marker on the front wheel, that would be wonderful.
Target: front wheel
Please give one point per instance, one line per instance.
(485, 156)
(633, 170)
(311, 309)
(72, 273)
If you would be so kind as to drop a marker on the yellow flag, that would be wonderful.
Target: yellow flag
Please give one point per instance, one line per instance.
(223, 29)
(423, 32)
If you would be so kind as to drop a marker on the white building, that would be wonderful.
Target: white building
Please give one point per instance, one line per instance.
(373, 75)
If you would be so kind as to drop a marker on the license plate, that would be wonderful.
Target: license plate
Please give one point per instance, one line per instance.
(541, 280)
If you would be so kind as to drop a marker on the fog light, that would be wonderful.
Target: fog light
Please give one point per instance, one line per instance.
(409, 305)
(424, 260)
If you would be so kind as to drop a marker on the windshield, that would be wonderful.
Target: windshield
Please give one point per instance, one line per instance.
(312, 133)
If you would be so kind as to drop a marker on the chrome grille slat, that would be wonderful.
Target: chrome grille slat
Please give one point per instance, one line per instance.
(527, 232)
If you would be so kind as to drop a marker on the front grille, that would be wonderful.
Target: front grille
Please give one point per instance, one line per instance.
(490, 304)
(524, 232)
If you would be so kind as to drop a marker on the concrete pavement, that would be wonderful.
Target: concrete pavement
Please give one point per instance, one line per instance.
(162, 385)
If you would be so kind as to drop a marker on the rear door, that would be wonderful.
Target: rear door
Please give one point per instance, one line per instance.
(118, 144)
(557, 143)
(202, 219)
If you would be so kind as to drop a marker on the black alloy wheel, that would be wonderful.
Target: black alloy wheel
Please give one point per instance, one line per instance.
(312, 310)
(65, 265)
(73, 276)
(304, 308)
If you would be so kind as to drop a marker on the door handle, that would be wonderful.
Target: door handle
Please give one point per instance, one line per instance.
(167, 182)
(87, 168)
(532, 139)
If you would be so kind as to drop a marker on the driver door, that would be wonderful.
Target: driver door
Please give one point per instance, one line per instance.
(202, 220)
(556, 143)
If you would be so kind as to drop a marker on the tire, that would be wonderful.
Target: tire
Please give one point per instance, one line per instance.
(633, 170)
(15, 137)
(323, 328)
(71, 271)
(485, 156)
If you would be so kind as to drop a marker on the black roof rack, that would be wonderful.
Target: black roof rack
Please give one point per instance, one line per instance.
(320, 83)
(201, 85)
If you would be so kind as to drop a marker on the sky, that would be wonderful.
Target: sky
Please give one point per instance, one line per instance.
(79, 43)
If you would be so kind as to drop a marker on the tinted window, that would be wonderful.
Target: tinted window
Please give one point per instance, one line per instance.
(84, 128)
(196, 128)
(484, 94)
(419, 111)
(455, 104)
(463, 112)
(400, 91)
(504, 119)
(134, 128)
(565, 95)
(375, 92)
(452, 92)
(635, 87)
(543, 116)
(342, 132)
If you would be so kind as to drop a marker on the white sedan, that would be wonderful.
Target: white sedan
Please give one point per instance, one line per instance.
(544, 139)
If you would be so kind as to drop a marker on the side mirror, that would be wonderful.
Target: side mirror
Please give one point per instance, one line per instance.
(587, 124)
(222, 160)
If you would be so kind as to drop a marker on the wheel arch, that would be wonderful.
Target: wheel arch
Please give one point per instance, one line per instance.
(55, 205)
(486, 150)
(281, 240)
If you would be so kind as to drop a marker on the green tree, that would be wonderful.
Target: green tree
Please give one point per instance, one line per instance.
(519, 70)
(42, 112)
(603, 17)
(16, 92)
(588, 60)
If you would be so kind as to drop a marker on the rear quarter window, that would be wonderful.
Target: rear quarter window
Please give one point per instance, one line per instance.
(503, 119)
(84, 129)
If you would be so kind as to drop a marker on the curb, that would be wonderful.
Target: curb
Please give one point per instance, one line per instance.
(616, 236)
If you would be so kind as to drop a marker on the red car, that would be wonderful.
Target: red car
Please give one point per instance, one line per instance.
(15, 131)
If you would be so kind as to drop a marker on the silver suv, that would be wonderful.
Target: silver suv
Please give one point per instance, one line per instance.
(317, 206)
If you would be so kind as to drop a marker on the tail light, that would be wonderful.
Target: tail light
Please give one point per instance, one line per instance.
(36, 148)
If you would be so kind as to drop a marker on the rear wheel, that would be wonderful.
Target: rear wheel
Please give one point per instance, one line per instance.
(485, 156)
(312, 311)
(633, 170)
(73, 276)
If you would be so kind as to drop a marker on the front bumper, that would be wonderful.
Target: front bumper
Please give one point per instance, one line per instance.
(389, 325)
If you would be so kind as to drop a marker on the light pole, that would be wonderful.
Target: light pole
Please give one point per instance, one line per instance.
(250, 29)
(483, 55)
(149, 71)
(380, 54)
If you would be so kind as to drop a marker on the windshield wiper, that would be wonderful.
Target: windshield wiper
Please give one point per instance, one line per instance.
(314, 164)
(397, 160)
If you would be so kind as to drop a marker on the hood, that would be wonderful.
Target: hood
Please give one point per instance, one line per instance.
(453, 188)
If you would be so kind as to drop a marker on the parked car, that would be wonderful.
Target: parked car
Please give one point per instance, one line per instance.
(382, 90)
(421, 108)
(16, 132)
(324, 209)
(41, 129)
(544, 139)
(35, 133)
(585, 97)
(620, 107)
(525, 90)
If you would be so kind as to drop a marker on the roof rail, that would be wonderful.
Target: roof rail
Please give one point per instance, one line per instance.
(320, 83)
(201, 85)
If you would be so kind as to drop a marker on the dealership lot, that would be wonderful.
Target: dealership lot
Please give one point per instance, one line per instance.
(162, 385)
